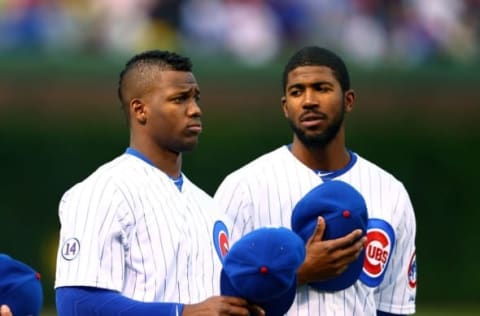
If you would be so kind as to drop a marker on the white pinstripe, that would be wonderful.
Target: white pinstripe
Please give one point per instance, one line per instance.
(139, 235)
(264, 193)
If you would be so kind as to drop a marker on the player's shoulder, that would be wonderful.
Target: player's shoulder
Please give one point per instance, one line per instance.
(258, 164)
(366, 166)
(253, 175)
(109, 173)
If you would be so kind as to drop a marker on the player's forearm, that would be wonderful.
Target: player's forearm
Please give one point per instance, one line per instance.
(81, 301)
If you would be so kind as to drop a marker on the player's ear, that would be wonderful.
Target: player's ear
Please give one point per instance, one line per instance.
(138, 111)
(349, 100)
(284, 106)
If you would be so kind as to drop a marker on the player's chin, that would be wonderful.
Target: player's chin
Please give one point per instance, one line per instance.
(189, 144)
(313, 134)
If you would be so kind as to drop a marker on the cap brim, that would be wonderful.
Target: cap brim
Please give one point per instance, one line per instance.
(274, 307)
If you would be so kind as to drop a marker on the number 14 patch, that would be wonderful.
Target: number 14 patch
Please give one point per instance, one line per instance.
(70, 248)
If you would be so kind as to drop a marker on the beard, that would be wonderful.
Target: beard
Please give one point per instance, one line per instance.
(319, 139)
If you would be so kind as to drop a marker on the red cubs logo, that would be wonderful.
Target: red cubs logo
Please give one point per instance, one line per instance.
(378, 249)
(377, 252)
(220, 239)
(223, 242)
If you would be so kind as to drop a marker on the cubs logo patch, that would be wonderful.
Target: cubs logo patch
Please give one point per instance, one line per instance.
(70, 249)
(378, 250)
(412, 272)
(220, 239)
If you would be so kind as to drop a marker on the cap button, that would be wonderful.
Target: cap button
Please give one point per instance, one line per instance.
(264, 270)
(346, 213)
(38, 276)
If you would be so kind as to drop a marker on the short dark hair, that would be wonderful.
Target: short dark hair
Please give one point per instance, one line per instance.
(318, 56)
(165, 60)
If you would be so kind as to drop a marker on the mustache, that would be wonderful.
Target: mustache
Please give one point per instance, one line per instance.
(312, 114)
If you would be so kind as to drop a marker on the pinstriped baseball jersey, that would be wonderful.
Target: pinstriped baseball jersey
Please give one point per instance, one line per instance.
(128, 228)
(264, 193)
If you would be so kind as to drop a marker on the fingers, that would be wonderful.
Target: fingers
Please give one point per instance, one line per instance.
(256, 310)
(237, 301)
(5, 311)
(319, 231)
(329, 258)
(349, 254)
(353, 239)
(239, 306)
(217, 306)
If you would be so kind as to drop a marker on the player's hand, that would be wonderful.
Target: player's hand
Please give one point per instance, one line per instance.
(5, 311)
(222, 306)
(329, 258)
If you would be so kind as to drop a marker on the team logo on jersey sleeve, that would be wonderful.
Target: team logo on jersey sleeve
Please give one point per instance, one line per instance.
(412, 271)
(378, 250)
(70, 249)
(220, 239)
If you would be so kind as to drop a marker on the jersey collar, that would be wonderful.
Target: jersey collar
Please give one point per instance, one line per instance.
(329, 175)
(177, 181)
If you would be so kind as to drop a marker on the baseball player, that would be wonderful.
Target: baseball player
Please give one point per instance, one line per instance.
(317, 96)
(137, 236)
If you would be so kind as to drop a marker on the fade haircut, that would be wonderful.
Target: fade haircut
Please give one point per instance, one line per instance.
(138, 71)
(318, 56)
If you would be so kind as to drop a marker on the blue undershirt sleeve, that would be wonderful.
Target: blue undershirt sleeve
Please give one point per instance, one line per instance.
(81, 301)
(380, 313)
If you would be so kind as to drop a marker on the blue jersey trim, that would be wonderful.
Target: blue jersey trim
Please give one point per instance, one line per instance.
(177, 181)
(138, 154)
(380, 313)
(329, 175)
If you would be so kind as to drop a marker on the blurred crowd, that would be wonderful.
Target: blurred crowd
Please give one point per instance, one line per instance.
(371, 32)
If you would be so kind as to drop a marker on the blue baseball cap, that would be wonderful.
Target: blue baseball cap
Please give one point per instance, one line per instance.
(261, 267)
(344, 210)
(20, 287)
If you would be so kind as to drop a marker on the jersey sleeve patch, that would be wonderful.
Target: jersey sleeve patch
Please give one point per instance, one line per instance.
(220, 239)
(70, 249)
(378, 250)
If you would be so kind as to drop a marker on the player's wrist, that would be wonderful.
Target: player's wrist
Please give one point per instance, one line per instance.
(302, 275)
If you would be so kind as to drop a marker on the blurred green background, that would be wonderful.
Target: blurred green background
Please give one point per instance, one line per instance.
(59, 120)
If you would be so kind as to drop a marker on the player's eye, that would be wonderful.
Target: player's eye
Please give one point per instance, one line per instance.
(179, 99)
(323, 87)
(295, 92)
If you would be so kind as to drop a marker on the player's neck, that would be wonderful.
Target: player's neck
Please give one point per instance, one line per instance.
(167, 161)
(331, 157)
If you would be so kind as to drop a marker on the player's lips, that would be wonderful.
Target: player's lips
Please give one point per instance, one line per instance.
(195, 128)
(311, 119)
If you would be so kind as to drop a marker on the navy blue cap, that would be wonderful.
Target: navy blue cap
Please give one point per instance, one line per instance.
(261, 267)
(344, 210)
(20, 287)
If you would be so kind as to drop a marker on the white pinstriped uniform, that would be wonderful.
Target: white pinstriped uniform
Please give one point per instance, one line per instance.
(265, 191)
(128, 228)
